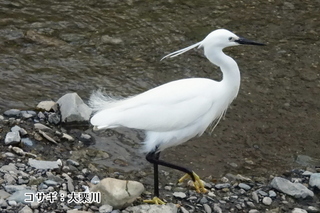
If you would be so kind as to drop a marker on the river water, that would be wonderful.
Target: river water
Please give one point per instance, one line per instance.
(50, 48)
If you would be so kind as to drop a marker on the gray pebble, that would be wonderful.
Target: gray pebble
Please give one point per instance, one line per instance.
(207, 208)
(12, 138)
(255, 196)
(184, 210)
(95, 180)
(222, 185)
(254, 211)
(12, 113)
(272, 193)
(216, 208)
(244, 186)
(203, 200)
(105, 209)
(179, 195)
(50, 182)
(27, 141)
(267, 201)
(263, 193)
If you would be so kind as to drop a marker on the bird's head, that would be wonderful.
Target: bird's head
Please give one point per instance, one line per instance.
(222, 38)
(217, 39)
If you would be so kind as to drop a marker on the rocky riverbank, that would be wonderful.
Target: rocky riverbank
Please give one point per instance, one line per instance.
(44, 167)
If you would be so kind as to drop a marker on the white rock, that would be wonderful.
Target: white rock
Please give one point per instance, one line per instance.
(68, 137)
(73, 108)
(145, 208)
(18, 150)
(216, 208)
(298, 210)
(314, 180)
(179, 195)
(105, 209)
(12, 138)
(25, 209)
(118, 193)
(253, 211)
(46, 105)
(41, 164)
(267, 201)
(207, 208)
(41, 126)
(296, 190)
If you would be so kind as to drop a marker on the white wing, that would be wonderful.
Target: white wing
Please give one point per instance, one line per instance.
(174, 105)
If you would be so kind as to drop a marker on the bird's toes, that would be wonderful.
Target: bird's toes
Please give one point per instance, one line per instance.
(155, 200)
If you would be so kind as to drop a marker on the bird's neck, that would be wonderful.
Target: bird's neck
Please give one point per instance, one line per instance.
(228, 66)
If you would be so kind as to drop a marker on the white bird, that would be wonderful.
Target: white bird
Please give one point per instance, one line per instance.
(177, 111)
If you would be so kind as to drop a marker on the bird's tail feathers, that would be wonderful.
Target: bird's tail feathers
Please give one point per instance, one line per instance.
(179, 52)
(99, 100)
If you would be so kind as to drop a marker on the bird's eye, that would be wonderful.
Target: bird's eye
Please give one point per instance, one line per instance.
(230, 38)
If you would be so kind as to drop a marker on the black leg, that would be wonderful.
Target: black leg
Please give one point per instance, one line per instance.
(153, 157)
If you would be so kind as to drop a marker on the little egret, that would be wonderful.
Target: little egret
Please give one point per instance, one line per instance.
(177, 111)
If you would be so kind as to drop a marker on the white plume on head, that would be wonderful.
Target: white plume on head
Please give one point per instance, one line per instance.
(179, 52)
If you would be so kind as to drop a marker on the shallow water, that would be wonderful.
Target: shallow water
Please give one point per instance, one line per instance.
(49, 48)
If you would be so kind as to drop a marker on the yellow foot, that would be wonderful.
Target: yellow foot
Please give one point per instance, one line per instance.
(155, 200)
(198, 184)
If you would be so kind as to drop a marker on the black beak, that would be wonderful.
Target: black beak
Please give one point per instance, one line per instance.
(246, 41)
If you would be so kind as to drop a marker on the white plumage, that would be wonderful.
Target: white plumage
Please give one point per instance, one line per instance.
(173, 113)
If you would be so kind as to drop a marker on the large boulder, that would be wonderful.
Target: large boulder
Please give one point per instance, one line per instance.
(296, 190)
(118, 193)
(73, 108)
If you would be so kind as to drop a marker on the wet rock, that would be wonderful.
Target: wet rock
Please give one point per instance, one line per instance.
(314, 180)
(47, 105)
(73, 108)
(296, 190)
(41, 164)
(168, 208)
(45, 40)
(12, 113)
(118, 193)
(105, 39)
(305, 160)
(12, 138)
